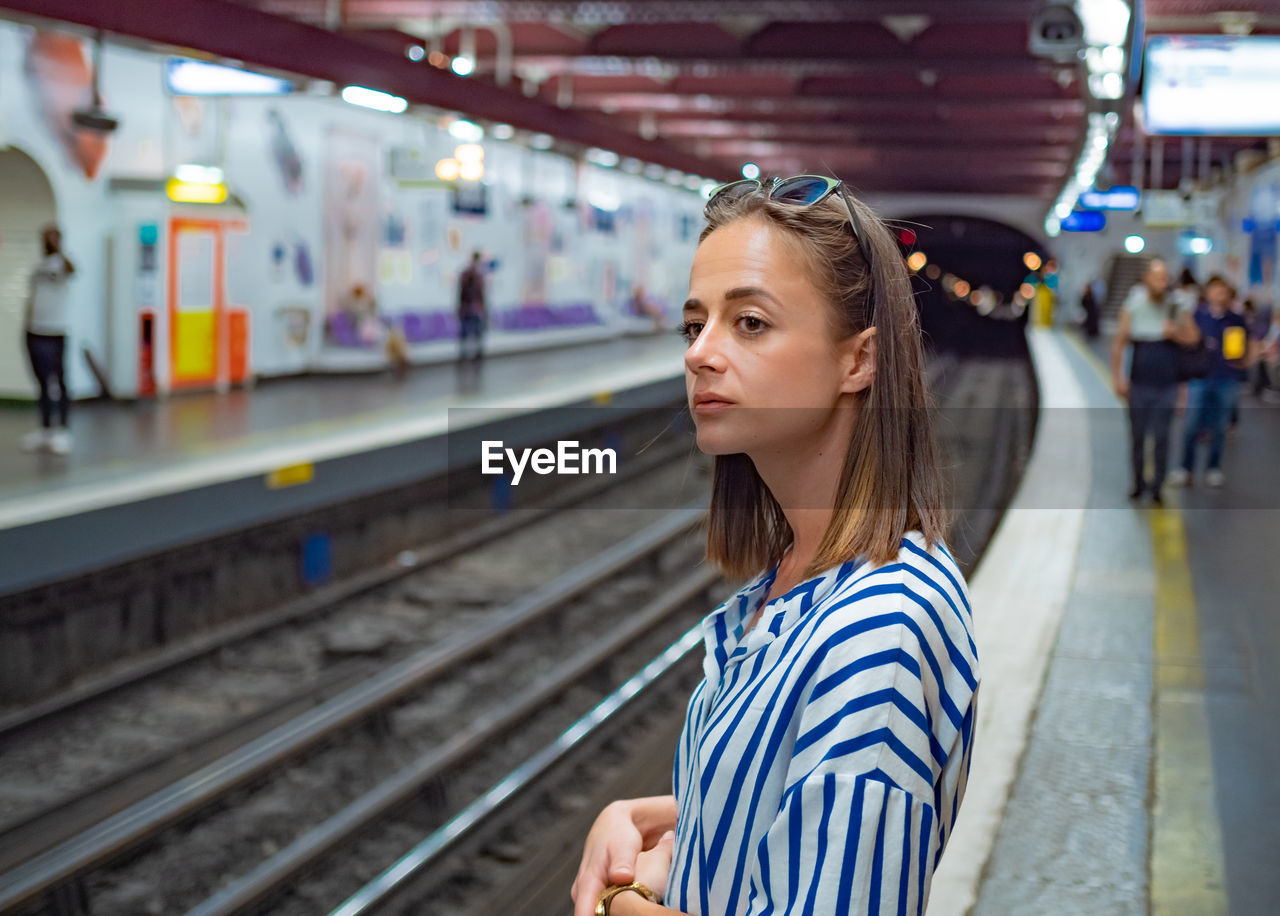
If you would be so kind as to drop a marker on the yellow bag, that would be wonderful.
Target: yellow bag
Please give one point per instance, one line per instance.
(1233, 343)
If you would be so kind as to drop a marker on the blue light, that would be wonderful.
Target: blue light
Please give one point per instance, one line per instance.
(1119, 197)
(1084, 221)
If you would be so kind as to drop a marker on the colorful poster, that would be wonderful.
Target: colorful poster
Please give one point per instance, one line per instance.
(351, 216)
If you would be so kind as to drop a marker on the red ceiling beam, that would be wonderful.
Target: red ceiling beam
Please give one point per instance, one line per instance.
(229, 30)
(905, 132)
(886, 65)
(571, 11)
(806, 108)
(998, 153)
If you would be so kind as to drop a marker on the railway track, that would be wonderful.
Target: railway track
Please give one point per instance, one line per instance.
(100, 752)
(360, 736)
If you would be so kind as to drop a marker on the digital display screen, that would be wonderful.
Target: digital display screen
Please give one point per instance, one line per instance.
(1214, 85)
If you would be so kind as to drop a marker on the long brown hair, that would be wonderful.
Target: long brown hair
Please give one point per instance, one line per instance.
(890, 483)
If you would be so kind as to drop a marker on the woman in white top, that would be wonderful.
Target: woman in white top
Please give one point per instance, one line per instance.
(46, 331)
(825, 754)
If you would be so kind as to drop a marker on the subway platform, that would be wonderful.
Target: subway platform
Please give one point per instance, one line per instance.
(1129, 714)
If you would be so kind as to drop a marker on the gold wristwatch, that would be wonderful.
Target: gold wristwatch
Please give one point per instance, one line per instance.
(613, 890)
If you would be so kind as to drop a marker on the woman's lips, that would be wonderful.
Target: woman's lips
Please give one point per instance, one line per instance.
(710, 405)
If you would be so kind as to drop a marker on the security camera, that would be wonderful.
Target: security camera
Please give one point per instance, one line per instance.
(1056, 31)
(95, 119)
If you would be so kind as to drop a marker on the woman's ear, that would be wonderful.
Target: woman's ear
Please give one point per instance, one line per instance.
(860, 361)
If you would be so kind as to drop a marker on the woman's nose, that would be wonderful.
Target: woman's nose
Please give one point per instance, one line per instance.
(705, 352)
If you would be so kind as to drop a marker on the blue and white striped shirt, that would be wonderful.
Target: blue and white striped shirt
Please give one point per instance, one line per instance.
(824, 756)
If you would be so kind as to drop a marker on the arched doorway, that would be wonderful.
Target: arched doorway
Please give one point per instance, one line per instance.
(26, 206)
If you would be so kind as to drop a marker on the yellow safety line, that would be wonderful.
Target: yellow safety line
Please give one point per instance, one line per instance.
(1188, 865)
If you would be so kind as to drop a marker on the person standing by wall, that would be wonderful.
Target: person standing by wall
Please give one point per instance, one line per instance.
(471, 308)
(46, 325)
(1150, 319)
(1092, 309)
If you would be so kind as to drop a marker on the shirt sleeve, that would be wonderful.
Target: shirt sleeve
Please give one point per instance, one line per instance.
(858, 830)
(1132, 300)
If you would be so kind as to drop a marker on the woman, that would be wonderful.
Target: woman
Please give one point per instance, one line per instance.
(824, 756)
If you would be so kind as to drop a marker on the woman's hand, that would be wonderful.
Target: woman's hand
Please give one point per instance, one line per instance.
(653, 865)
(613, 846)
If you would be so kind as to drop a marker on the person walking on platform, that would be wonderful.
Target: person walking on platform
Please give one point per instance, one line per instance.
(46, 325)
(1091, 303)
(840, 691)
(471, 308)
(1151, 320)
(1211, 399)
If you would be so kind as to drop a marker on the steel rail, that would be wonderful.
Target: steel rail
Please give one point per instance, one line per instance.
(278, 871)
(434, 846)
(146, 818)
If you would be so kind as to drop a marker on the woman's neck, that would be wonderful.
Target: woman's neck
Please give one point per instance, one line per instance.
(804, 481)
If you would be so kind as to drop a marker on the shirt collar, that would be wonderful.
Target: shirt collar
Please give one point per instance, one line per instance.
(722, 628)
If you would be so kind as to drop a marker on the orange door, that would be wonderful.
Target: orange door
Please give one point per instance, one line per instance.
(207, 341)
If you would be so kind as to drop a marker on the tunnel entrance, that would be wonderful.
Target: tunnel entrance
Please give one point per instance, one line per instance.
(968, 287)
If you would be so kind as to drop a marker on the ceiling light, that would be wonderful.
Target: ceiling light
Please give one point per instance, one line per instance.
(198, 174)
(503, 131)
(463, 66)
(415, 53)
(1106, 22)
(602, 157)
(372, 98)
(750, 170)
(1134, 244)
(466, 131)
(195, 77)
(448, 169)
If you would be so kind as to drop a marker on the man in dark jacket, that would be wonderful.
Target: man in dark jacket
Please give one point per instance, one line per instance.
(471, 308)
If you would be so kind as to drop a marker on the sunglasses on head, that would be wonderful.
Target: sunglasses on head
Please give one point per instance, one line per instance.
(799, 191)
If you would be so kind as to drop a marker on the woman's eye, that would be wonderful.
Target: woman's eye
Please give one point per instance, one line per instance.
(689, 330)
(752, 323)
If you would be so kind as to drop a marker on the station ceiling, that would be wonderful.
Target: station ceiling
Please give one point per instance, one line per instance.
(923, 96)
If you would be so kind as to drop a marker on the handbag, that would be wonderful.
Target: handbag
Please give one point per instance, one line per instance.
(1195, 361)
(1192, 362)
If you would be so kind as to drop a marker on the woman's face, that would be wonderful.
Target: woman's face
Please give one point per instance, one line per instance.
(763, 371)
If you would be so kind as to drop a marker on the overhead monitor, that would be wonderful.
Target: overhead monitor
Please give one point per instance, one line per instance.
(1212, 85)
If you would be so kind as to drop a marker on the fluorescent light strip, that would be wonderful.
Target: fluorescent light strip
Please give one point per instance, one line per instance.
(372, 98)
(195, 77)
